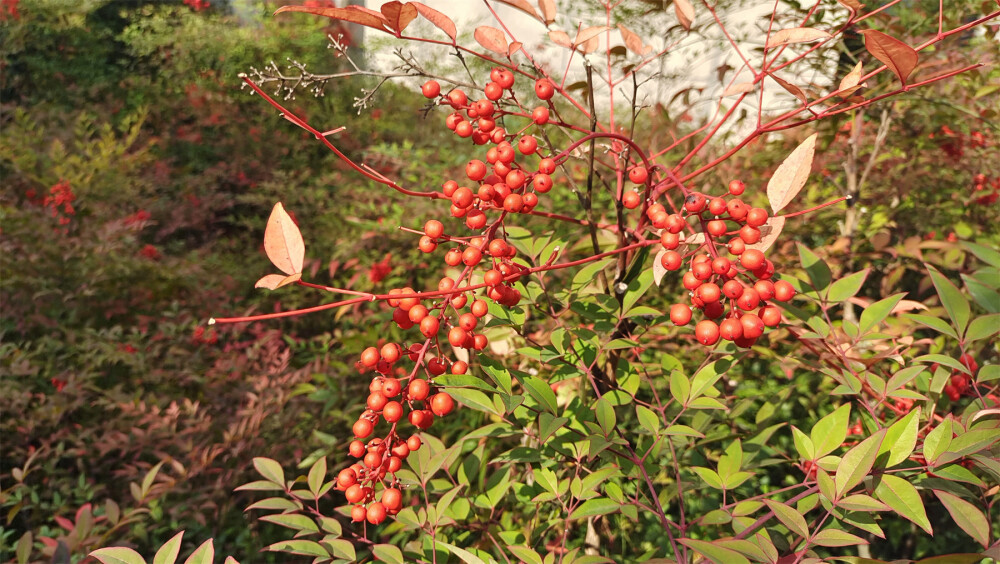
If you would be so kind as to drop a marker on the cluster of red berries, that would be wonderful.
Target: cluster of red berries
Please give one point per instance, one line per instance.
(960, 383)
(59, 200)
(501, 184)
(736, 287)
(979, 183)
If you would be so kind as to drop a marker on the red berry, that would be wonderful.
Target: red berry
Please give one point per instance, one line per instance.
(354, 493)
(670, 241)
(752, 259)
(476, 170)
(721, 265)
(358, 513)
(702, 270)
(765, 289)
(770, 316)
(376, 401)
(694, 203)
(370, 357)
(680, 314)
(750, 235)
(737, 209)
(527, 145)
(716, 227)
(457, 98)
(431, 89)
(753, 327)
(709, 292)
(544, 88)
(731, 329)
(717, 206)
(346, 478)
(418, 390)
(376, 513)
(413, 443)
(631, 199)
(392, 412)
(736, 246)
(749, 300)
(442, 404)
(756, 217)
(736, 187)
(707, 332)
(429, 326)
(675, 223)
(391, 386)
(540, 115)
(356, 449)
(671, 260)
(392, 499)
(638, 175)
(783, 291)
(732, 289)
(363, 428)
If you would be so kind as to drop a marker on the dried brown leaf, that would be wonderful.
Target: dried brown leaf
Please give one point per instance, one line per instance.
(399, 15)
(658, 270)
(283, 242)
(491, 38)
(548, 10)
(275, 281)
(514, 48)
(439, 20)
(796, 35)
(791, 175)
(588, 33)
(852, 5)
(633, 42)
(898, 56)
(685, 13)
(353, 14)
(851, 81)
(791, 88)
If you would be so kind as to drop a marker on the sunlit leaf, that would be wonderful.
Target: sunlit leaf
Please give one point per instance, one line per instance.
(791, 175)
(283, 241)
(899, 57)
(796, 35)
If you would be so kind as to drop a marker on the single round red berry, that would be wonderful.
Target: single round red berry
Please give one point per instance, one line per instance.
(717, 206)
(752, 259)
(431, 89)
(544, 88)
(442, 404)
(671, 260)
(731, 329)
(736, 187)
(707, 332)
(756, 217)
(680, 314)
(540, 115)
(638, 175)
(783, 291)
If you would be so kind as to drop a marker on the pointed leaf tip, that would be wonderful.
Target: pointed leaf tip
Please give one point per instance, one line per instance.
(283, 242)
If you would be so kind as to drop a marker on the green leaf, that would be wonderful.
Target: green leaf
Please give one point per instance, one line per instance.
(260, 486)
(388, 553)
(904, 499)
(829, 433)
(988, 373)
(708, 376)
(270, 469)
(986, 254)
(711, 477)
(817, 270)
(300, 546)
(836, 537)
(934, 323)
(803, 444)
(682, 431)
(292, 521)
(967, 516)
(877, 312)
(342, 548)
(542, 393)
(525, 554)
(549, 424)
(861, 502)
(937, 441)
(23, 548)
(857, 462)
(789, 517)
(317, 474)
(118, 555)
(497, 372)
(715, 553)
(680, 388)
(167, 554)
(958, 473)
(647, 419)
(984, 295)
(847, 287)
(465, 555)
(596, 506)
(474, 399)
(204, 554)
(276, 503)
(983, 327)
(900, 438)
(732, 461)
(605, 414)
(951, 298)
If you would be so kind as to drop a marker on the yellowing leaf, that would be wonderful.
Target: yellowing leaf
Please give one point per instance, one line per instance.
(685, 13)
(796, 35)
(275, 281)
(491, 38)
(899, 57)
(283, 241)
(851, 82)
(791, 175)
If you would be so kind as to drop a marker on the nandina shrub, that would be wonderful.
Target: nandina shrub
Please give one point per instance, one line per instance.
(745, 413)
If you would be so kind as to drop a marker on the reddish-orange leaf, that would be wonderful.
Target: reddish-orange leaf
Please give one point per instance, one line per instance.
(491, 38)
(561, 38)
(791, 175)
(685, 13)
(851, 82)
(791, 88)
(439, 20)
(852, 5)
(514, 48)
(588, 33)
(898, 56)
(548, 10)
(524, 6)
(633, 42)
(796, 35)
(275, 281)
(353, 14)
(283, 242)
(398, 14)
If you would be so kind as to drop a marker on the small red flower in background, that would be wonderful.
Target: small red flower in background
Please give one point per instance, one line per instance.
(138, 217)
(8, 10)
(150, 252)
(380, 269)
(127, 348)
(205, 337)
(197, 5)
(58, 383)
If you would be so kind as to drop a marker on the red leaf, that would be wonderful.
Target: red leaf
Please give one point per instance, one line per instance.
(898, 56)
(399, 15)
(353, 14)
(380, 269)
(283, 241)
(524, 6)
(792, 89)
(685, 13)
(548, 10)
(491, 38)
(440, 20)
(513, 48)
(633, 42)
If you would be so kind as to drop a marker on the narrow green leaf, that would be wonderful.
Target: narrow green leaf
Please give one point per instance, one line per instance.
(260, 486)
(847, 287)
(605, 414)
(118, 555)
(474, 399)
(857, 462)
(984, 295)
(647, 419)
(682, 431)
(967, 516)
(596, 506)
(300, 546)
(934, 323)
(167, 554)
(861, 502)
(708, 376)
(829, 433)
(937, 441)
(204, 554)
(904, 499)
(709, 476)
(388, 553)
(958, 473)
(526, 554)
(983, 327)
(986, 254)
(817, 270)
(276, 504)
(901, 438)
(292, 521)
(826, 485)
(835, 538)
(270, 469)
(317, 474)
(789, 517)
(465, 555)
(877, 312)
(732, 461)
(988, 373)
(715, 553)
(339, 547)
(680, 388)
(542, 393)
(951, 298)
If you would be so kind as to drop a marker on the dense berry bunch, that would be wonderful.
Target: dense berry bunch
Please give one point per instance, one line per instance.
(728, 276)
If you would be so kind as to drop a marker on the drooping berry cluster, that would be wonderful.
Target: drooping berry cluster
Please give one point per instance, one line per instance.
(734, 285)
